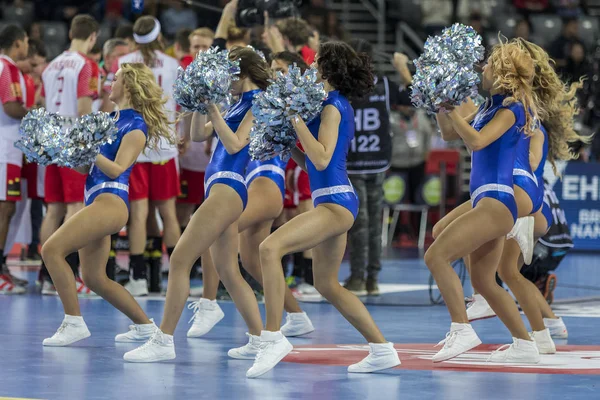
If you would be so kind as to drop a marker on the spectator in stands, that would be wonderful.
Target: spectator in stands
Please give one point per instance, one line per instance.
(125, 32)
(412, 131)
(577, 65)
(477, 21)
(237, 37)
(177, 17)
(524, 30)
(35, 31)
(201, 39)
(291, 34)
(527, 7)
(560, 49)
(437, 14)
(466, 7)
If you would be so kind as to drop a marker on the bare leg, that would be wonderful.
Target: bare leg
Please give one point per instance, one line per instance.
(250, 240)
(210, 277)
(168, 214)
(93, 270)
(107, 215)
(7, 210)
(137, 226)
(184, 213)
(327, 260)
(306, 206)
(488, 221)
(52, 220)
(303, 232)
(222, 208)
(72, 209)
(225, 258)
(484, 262)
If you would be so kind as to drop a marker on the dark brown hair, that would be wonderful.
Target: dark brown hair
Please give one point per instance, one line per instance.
(346, 70)
(252, 66)
(182, 38)
(10, 35)
(143, 26)
(83, 26)
(291, 58)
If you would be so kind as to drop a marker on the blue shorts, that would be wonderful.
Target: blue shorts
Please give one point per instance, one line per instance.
(228, 178)
(266, 170)
(118, 189)
(345, 197)
(536, 193)
(504, 194)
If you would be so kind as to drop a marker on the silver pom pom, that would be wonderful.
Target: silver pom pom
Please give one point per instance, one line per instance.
(295, 93)
(445, 71)
(85, 137)
(41, 138)
(48, 138)
(207, 80)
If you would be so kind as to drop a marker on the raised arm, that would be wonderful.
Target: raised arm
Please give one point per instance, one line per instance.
(320, 150)
(201, 129)
(475, 140)
(468, 110)
(131, 146)
(232, 141)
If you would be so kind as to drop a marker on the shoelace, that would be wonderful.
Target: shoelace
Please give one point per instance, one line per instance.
(449, 340)
(505, 347)
(153, 340)
(196, 307)
(262, 350)
(61, 328)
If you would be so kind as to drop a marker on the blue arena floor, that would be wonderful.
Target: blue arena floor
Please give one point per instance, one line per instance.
(316, 370)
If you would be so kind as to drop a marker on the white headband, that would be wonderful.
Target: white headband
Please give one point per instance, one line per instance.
(150, 36)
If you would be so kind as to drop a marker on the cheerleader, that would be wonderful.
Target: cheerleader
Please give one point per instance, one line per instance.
(266, 191)
(141, 121)
(493, 137)
(326, 141)
(215, 224)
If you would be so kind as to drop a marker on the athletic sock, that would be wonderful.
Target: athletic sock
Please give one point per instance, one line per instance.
(137, 266)
(308, 271)
(73, 261)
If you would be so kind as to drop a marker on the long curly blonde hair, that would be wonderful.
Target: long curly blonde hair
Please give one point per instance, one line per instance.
(558, 105)
(146, 97)
(514, 70)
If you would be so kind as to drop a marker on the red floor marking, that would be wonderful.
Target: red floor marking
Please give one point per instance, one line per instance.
(568, 360)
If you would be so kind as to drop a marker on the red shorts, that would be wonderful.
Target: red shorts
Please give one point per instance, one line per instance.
(154, 181)
(63, 185)
(10, 182)
(30, 173)
(302, 185)
(191, 187)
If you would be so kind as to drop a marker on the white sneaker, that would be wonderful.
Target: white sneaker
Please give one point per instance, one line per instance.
(381, 356)
(248, 351)
(72, 329)
(557, 328)
(459, 340)
(137, 333)
(544, 342)
(519, 352)
(48, 289)
(273, 348)
(207, 314)
(305, 288)
(479, 309)
(297, 324)
(137, 287)
(159, 347)
(522, 232)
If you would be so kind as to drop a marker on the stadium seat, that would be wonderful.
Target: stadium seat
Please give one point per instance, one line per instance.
(411, 13)
(506, 24)
(588, 30)
(546, 27)
(22, 15)
(54, 49)
(3, 24)
(55, 33)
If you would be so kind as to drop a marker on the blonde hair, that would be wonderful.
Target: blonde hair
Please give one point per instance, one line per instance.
(143, 26)
(513, 70)
(203, 32)
(146, 97)
(558, 105)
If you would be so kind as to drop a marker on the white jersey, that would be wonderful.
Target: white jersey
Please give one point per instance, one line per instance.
(67, 78)
(165, 72)
(12, 89)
